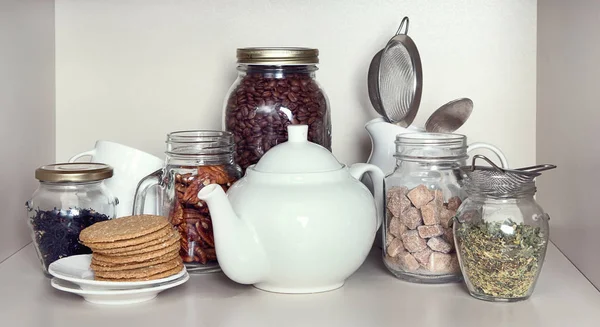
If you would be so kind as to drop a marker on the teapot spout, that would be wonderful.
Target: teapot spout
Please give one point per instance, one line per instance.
(238, 248)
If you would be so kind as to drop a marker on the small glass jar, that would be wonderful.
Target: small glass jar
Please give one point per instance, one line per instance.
(422, 196)
(501, 235)
(70, 197)
(275, 87)
(194, 159)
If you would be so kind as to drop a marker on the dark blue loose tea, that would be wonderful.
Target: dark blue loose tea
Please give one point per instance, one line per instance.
(57, 232)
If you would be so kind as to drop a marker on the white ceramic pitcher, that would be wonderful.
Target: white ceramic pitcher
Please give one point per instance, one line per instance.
(383, 147)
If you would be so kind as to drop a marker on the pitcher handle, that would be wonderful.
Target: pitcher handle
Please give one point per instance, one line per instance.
(493, 148)
(378, 177)
(89, 153)
(144, 185)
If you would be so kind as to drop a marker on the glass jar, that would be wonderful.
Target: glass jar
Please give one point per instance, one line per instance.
(422, 196)
(275, 87)
(69, 198)
(501, 234)
(194, 159)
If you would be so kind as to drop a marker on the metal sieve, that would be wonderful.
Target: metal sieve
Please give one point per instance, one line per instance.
(499, 181)
(399, 78)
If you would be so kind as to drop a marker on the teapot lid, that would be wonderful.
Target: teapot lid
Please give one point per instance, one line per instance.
(297, 155)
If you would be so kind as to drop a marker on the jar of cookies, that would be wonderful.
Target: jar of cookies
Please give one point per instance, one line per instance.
(193, 159)
(275, 87)
(422, 196)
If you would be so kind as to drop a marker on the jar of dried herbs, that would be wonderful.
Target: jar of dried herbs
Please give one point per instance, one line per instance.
(501, 233)
(69, 198)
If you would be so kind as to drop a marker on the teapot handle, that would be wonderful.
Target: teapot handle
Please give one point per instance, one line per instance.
(494, 149)
(378, 177)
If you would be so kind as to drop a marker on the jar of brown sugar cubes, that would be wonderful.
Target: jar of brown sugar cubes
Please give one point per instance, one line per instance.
(422, 197)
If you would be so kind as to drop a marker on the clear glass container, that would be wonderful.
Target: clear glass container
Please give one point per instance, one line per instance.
(501, 234)
(69, 198)
(194, 159)
(275, 87)
(422, 196)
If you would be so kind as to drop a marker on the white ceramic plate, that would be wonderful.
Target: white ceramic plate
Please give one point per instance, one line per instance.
(76, 269)
(117, 297)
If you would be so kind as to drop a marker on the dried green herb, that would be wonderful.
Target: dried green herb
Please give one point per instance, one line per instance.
(501, 259)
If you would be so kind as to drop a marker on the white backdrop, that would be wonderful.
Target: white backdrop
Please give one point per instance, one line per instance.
(133, 70)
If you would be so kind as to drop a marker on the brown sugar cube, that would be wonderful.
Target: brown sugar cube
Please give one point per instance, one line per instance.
(439, 245)
(408, 261)
(397, 204)
(438, 198)
(395, 247)
(454, 264)
(411, 218)
(412, 241)
(439, 262)
(396, 190)
(446, 217)
(420, 196)
(388, 238)
(423, 256)
(448, 236)
(430, 231)
(453, 203)
(430, 214)
(397, 227)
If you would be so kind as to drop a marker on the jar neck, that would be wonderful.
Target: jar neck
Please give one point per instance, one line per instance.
(428, 164)
(497, 196)
(277, 71)
(71, 185)
(200, 145)
(431, 147)
(201, 159)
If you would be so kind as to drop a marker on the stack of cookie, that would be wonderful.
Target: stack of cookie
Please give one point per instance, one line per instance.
(134, 248)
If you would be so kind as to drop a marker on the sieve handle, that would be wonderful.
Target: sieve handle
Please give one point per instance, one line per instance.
(404, 20)
(480, 156)
(537, 168)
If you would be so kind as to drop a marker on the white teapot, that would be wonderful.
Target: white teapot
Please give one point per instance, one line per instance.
(298, 221)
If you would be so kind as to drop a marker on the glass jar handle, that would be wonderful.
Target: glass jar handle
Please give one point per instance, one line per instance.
(144, 185)
(494, 149)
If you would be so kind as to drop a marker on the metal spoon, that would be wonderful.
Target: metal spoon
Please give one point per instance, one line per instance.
(450, 117)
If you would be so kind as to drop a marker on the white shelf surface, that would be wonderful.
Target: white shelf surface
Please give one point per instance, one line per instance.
(371, 297)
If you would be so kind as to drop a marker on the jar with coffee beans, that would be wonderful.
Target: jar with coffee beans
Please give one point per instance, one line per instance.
(275, 87)
(194, 159)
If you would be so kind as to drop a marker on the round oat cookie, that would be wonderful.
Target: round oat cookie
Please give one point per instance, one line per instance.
(136, 257)
(141, 272)
(97, 262)
(164, 274)
(143, 245)
(164, 232)
(173, 239)
(123, 228)
(104, 266)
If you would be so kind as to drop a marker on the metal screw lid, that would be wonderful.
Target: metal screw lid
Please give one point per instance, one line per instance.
(73, 172)
(278, 56)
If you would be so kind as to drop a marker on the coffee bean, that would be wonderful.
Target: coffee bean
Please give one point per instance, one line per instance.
(261, 107)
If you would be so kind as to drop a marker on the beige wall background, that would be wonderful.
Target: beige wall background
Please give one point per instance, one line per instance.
(27, 126)
(133, 70)
(568, 130)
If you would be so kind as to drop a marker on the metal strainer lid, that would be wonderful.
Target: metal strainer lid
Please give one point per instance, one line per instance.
(400, 77)
(498, 181)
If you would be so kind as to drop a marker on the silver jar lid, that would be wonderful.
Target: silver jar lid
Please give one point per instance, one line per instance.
(278, 56)
(73, 172)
